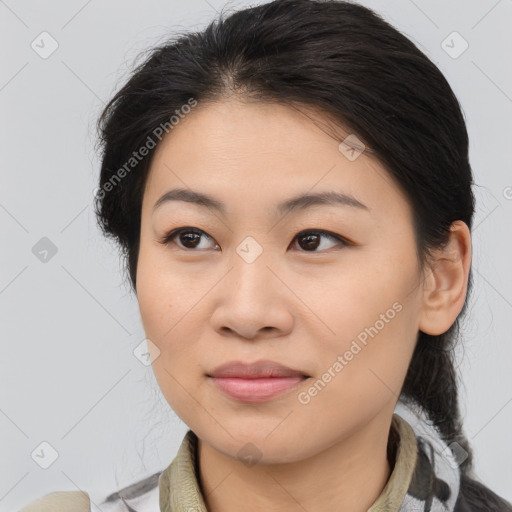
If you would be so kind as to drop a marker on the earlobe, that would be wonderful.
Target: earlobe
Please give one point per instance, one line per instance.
(445, 285)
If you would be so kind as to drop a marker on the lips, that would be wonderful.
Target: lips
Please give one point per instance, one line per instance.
(255, 382)
(257, 370)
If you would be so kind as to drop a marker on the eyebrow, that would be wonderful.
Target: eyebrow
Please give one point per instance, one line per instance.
(300, 202)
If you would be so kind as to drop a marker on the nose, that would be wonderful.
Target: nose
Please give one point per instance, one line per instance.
(252, 302)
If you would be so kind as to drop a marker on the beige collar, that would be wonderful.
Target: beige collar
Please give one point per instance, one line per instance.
(179, 488)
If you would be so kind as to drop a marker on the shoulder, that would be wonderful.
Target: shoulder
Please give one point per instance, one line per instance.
(60, 501)
(140, 496)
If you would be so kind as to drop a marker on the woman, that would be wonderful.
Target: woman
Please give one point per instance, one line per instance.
(292, 192)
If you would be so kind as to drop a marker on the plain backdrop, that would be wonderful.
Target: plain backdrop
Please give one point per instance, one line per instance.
(69, 324)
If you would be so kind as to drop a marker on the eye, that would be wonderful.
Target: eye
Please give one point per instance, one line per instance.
(190, 238)
(312, 239)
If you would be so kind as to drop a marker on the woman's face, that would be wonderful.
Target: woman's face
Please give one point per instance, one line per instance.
(344, 312)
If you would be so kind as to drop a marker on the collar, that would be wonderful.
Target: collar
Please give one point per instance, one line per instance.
(425, 475)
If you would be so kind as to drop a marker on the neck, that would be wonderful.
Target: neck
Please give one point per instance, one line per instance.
(349, 475)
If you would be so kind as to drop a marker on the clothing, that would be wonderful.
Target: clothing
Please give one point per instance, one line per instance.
(62, 501)
(418, 464)
(425, 477)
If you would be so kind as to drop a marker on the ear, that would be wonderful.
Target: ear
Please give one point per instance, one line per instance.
(445, 282)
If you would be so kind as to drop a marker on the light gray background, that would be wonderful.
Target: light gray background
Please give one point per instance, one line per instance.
(69, 326)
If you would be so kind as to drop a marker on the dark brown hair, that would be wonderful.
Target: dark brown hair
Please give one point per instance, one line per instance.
(343, 59)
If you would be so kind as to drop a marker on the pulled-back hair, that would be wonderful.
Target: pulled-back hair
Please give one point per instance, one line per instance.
(341, 59)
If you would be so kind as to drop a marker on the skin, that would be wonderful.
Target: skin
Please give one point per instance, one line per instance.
(298, 304)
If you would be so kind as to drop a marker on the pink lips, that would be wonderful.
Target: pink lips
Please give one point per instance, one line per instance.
(256, 382)
(255, 390)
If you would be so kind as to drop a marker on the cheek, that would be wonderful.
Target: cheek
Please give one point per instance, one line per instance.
(159, 293)
(165, 302)
(358, 380)
(167, 324)
(375, 320)
(155, 307)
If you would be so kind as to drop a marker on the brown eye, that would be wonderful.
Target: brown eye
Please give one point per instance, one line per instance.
(311, 240)
(188, 238)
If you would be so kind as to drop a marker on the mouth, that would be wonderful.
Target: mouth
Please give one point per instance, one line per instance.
(255, 382)
(255, 370)
(256, 390)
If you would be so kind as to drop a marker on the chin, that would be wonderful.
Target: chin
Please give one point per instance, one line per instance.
(258, 443)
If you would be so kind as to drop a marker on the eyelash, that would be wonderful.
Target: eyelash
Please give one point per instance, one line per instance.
(169, 237)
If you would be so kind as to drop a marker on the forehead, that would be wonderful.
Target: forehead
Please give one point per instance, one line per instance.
(246, 154)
